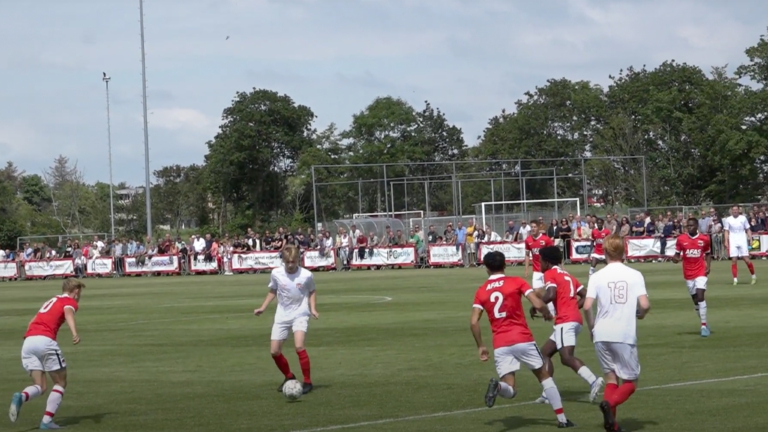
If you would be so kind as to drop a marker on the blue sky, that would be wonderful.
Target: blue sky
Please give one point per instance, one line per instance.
(470, 58)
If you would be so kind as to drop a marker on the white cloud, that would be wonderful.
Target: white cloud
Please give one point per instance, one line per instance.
(184, 119)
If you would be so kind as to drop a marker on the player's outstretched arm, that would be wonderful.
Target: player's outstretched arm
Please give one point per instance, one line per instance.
(474, 326)
(69, 317)
(527, 261)
(643, 306)
(270, 296)
(549, 294)
(539, 305)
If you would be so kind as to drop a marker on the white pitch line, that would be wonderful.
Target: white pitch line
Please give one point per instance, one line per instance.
(467, 411)
(382, 299)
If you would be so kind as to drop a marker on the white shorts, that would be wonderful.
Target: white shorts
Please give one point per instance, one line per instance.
(508, 358)
(738, 248)
(281, 330)
(40, 353)
(597, 257)
(565, 334)
(698, 283)
(619, 358)
(538, 280)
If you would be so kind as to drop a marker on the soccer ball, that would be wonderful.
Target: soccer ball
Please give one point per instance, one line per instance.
(292, 390)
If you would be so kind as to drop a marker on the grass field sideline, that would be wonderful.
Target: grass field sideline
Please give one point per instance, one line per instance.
(391, 352)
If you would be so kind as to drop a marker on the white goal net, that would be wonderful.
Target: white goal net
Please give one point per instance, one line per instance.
(497, 214)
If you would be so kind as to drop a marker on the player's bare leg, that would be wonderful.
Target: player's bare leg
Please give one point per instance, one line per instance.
(700, 304)
(19, 399)
(276, 349)
(505, 387)
(567, 358)
(553, 395)
(614, 396)
(298, 340)
(593, 266)
(59, 379)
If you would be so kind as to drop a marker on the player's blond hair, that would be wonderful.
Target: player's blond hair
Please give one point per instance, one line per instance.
(70, 285)
(614, 248)
(290, 253)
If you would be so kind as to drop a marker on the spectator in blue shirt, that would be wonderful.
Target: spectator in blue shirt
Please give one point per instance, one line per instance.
(669, 231)
(461, 235)
(638, 226)
(650, 227)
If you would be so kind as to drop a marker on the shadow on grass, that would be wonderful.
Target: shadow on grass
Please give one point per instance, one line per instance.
(93, 418)
(516, 422)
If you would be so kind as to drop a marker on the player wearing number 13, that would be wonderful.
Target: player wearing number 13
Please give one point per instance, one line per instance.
(501, 298)
(621, 298)
(41, 354)
(695, 251)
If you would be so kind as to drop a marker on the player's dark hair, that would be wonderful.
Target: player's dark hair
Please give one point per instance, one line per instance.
(696, 221)
(495, 261)
(551, 255)
(600, 220)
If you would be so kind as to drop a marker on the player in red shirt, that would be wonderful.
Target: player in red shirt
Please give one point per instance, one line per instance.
(535, 241)
(501, 298)
(40, 352)
(694, 248)
(598, 236)
(568, 295)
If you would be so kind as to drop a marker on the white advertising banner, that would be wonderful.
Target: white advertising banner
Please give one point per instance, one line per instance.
(200, 265)
(156, 264)
(312, 259)
(581, 250)
(45, 268)
(101, 266)
(389, 256)
(444, 255)
(514, 252)
(256, 260)
(759, 244)
(9, 270)
(647, 247)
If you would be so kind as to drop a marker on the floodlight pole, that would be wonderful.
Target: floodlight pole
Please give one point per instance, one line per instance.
(106, 79)
(314, 197)
(146, 123)
(386, 200)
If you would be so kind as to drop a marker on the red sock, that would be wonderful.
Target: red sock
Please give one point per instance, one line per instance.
(623, 393)
(751, 268)
(304, 362)
(608, 394)
(734, 270)
(282, 364)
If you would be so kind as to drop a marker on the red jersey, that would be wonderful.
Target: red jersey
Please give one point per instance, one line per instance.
(566, 301)
(501, 298)
(362, 240)
(693, 250)
(533, 245)
(50, 317)
(599, 237)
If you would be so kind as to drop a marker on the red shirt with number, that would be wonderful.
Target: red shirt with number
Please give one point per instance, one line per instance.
(533, 245)
(50, 317)
(501, 298)
(693, 250)
(566, 301)
(599, 236)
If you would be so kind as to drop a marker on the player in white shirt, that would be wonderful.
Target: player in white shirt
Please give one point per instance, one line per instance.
(621, 298)
(737, 238)
(294, 288)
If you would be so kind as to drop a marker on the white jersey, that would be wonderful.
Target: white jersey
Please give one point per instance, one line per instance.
(292, 293)
(616, 288)
(737, 227)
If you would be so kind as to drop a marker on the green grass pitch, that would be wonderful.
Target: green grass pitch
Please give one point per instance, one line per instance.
(392, 351)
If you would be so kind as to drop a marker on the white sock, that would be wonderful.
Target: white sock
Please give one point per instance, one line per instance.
(54, 400)
(754, 276)
(703, 313)
(697, 309)
(31, 392)
(550, 389)
(506, 391)
(591, 271)
(587, 375)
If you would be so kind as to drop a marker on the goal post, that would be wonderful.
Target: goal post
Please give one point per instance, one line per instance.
(496, 214)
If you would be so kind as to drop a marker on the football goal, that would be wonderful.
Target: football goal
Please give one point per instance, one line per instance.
(496, 214)
(403, 215)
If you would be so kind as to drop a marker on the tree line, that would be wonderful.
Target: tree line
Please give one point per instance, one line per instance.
(703, 135)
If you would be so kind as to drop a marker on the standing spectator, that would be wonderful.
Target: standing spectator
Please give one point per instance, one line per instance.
(326, 244)
(267, 242)
(470, 242)
(718, 250)
(564, 233)
(577, 222)
(432, 235)
(420, 233)
(450, 237)
(344, 245)
(552, 229)
(400, 239)
(650, 227)
(611, 223)
(638, 228)
(354, 232)
(523, 232)
(582, 232)
(669, 231)
(388, 238)
(312, 242)
(361, 243)
(461, 239)
(625, 228)
(755, 226)
(416, 241)
(373, 241)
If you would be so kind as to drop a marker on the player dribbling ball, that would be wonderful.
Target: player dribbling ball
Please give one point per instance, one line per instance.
(294, 288)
